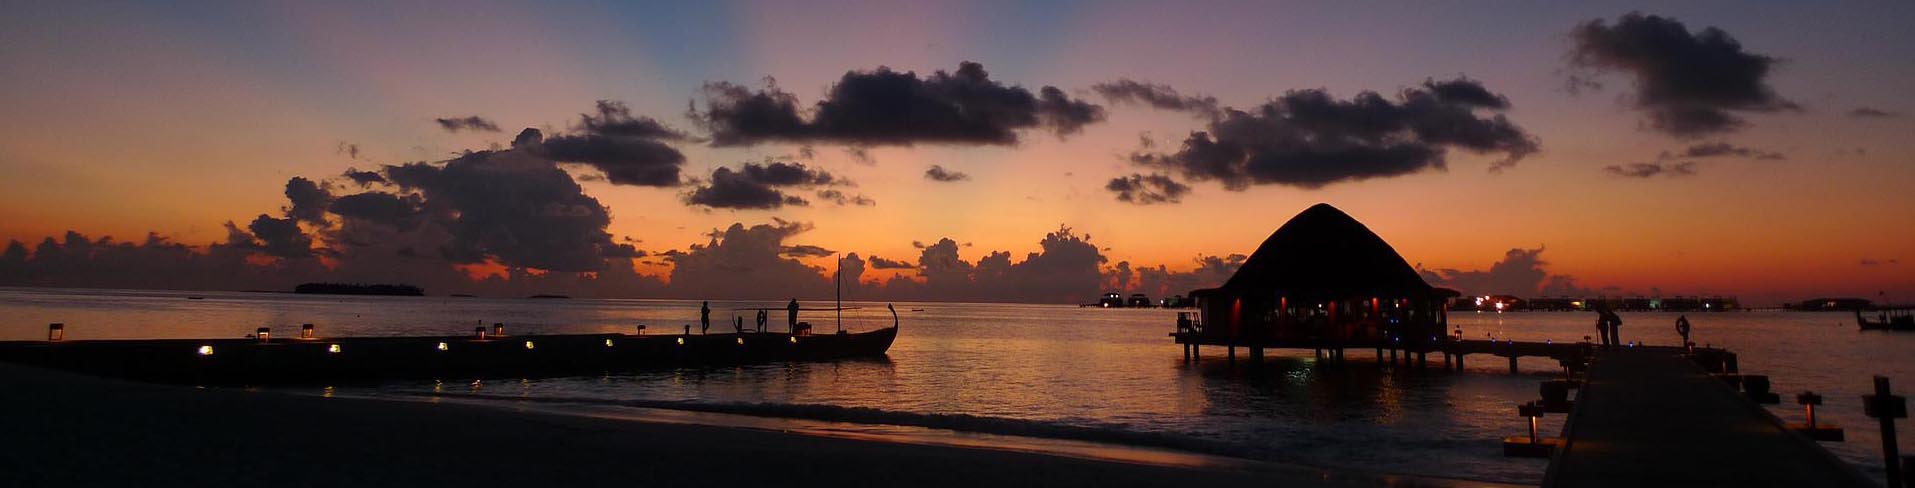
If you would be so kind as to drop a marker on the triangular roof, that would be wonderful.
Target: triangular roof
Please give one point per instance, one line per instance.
(1323, 253)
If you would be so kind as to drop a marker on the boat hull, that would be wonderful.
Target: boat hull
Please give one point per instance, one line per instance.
(366, 359)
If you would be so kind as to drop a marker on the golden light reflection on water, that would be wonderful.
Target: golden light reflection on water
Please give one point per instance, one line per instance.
(1104, 371)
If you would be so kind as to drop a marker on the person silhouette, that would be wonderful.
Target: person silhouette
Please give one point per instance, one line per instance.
(1682, 327)
(704, 318)
(1602, 326)
(1615, 328)
(738, 324)
(791, 315)
(762, 318)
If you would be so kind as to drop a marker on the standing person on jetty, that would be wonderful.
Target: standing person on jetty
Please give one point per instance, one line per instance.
(1615, 327)
(1682, 327)
(704, 318)
(762, 318)
(1602, 323)
(791, 316)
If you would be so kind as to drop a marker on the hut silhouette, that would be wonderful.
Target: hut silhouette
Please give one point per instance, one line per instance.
(1322, 281)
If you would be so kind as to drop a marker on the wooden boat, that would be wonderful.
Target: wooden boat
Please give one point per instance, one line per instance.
(1903, 320)
(357, 359)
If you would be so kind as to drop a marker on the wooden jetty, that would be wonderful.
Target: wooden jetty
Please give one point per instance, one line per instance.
(1453, 352)
(312, 360)
(1651, 417)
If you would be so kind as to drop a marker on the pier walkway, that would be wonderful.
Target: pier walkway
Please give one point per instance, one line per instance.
(1651, 418)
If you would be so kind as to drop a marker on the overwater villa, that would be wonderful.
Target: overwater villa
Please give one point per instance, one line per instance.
(1321, 281)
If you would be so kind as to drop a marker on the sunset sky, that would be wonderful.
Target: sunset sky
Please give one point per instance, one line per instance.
(124, 119)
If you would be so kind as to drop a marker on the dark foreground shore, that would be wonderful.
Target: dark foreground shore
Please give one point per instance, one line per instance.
(61, 429)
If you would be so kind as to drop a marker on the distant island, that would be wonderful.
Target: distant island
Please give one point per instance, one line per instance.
(358, 289)
(548, 296)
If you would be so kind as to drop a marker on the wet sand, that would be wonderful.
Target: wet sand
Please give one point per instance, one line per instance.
(61, 429)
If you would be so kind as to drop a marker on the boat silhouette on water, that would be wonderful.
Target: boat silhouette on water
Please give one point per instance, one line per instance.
(1896, 319)
(264, 360)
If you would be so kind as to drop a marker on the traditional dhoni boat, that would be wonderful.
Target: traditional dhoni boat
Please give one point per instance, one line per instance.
(1896, 319)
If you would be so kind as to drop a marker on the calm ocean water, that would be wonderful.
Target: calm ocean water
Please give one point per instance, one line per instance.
(1053, 371)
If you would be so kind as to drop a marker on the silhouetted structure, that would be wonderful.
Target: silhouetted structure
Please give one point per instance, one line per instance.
(358, 289)
(1323, 280)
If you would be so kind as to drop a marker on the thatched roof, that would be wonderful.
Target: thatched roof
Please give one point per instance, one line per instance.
(1325, 254)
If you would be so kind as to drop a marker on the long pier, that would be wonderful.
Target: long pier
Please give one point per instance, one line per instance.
(1655, 418)
(1453, 351)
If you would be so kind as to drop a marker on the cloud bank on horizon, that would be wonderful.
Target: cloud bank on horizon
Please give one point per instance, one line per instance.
(519, 210)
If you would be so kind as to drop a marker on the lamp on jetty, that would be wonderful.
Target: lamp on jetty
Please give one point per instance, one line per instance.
(205, 351)
(445, 347)
(528, 345)
(306, 331)
(56, 332)
(1817, 430)
(264, 333)
(479, 331)
(1535, 445)
(498, 329)
(332, 349)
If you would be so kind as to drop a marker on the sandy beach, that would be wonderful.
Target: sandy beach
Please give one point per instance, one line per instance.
(68, 430)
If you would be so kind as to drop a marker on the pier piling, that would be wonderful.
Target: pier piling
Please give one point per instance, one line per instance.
(1886, 407)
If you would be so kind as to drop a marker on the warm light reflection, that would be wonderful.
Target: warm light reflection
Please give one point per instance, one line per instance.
(333, 349)
(445, 347)
(528, 344)
(206, 350)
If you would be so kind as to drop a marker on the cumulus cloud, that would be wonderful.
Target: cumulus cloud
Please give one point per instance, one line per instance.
(747, 262)
(806, 250)
(1690, 84)
(512, 208)
(1308, 139)
(628, 149)
(1521, 272)
(763, 186)
(886, 107)
(938, 173)
(882, 263)
(308, 200)
(1714, 149)
(1873, 113)
(1650, 170)
(1211, 271)
(364, 178)
(468, 123)
(1148, 189)
(1158, 96)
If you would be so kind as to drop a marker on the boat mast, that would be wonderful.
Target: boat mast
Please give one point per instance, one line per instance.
(837, 282)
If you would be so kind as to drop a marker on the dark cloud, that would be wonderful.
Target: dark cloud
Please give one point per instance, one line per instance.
(1650, 170)
(841, 199)
(468, 123)
(1147, 189)
(1210, 272)
(882, 263)
(885, 107)
(861, 155)
(379, 208)
(806, 250)
(1521, 272)
(364, 178)
(1691, 84)
(1308, 139)
(747, 262)
(629, 149)
(938, 173)
(275, 237)
(1873, 113)
(1714, 149)
(350, 150)
(1157, 96)
(512, 208)
(1066, 269)
(308, 200)
(762, 186)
